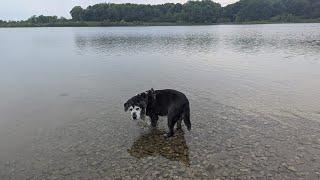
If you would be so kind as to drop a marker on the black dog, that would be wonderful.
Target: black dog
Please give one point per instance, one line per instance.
(167, 102)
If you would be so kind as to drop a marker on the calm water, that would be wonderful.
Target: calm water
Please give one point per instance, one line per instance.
(64, 88)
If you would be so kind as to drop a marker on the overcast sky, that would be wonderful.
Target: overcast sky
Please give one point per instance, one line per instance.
(23, 9)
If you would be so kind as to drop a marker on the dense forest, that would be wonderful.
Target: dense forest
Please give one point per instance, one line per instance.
(191, 12)
(276, 10)
(204, 11)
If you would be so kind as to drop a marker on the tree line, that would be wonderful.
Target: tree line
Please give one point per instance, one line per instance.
(36, 21)
(205, 11)
(277, 10)
(191, 12)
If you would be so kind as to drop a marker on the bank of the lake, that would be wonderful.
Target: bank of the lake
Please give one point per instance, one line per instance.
(123, 23)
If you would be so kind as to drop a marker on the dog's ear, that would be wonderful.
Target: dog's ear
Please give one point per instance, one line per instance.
(126, 106)
(143, 113)
(144, 103)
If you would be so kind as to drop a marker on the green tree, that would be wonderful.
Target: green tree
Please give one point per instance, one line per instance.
(77, 13)
(256, 10)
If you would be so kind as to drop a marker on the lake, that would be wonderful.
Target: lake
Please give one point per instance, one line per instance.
(253, 91)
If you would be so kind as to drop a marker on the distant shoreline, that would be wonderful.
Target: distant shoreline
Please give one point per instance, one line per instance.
(141, 24)
(193, 12)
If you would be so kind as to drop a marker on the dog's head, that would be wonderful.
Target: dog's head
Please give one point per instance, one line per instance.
(137, 105)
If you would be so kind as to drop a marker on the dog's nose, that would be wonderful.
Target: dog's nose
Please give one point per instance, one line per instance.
(134, 116)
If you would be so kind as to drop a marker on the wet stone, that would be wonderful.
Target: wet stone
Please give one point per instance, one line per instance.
(292, 168)
(93, 150)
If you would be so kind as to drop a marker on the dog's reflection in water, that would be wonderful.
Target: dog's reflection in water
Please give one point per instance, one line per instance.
(154, 144)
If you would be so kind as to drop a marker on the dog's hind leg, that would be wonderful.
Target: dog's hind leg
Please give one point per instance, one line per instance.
(179, 128)
(172, 119)
(171, 131)
(154, 120)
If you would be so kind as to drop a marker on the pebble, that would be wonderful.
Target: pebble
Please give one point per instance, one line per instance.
(292, 168)
(244, 170)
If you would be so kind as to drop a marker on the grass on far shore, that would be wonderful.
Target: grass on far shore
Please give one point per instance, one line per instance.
(123, 23)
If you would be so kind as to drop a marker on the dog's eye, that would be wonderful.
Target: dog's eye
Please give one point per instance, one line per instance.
(130, 109)
(137, 109)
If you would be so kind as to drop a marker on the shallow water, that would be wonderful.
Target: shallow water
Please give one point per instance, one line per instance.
(253, 90)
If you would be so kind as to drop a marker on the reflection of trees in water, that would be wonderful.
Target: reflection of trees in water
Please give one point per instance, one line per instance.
(248, 43)
(154, 144)
(256, 42)
(129, 44)
(243, 41)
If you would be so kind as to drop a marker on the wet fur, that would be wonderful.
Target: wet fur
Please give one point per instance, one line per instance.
(167, 102)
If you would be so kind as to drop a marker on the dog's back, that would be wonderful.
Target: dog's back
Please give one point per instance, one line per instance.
(167, 99)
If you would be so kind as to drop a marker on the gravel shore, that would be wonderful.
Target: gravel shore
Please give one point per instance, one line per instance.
(224, 143)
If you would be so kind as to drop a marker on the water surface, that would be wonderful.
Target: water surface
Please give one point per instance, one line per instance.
(253, 89)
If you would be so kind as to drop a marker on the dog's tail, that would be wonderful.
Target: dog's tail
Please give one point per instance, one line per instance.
(186, 116)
